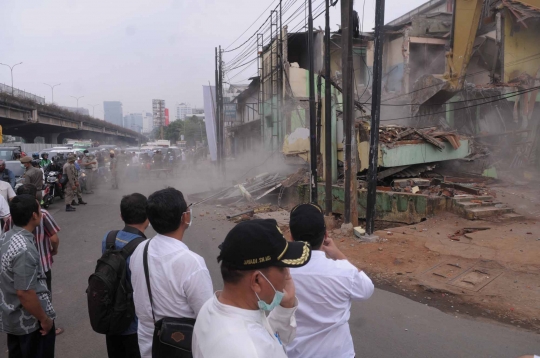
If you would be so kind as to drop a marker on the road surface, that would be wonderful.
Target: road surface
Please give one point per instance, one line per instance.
(388, 325)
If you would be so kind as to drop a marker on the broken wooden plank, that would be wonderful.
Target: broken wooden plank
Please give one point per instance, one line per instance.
(405, 133)
(431, 140)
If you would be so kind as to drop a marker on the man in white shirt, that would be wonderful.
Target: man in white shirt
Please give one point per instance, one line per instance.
(6, 191)
(255, 260)
(325, 288)
(4, 213)
(179, 279)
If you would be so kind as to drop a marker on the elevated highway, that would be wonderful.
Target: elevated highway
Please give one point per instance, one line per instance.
(28, 119)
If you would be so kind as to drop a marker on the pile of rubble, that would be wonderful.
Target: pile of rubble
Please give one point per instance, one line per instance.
(391, 135)
(444, 186)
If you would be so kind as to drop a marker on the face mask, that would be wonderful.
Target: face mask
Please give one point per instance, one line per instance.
(190, 217)
(278, 296)
(23, 166)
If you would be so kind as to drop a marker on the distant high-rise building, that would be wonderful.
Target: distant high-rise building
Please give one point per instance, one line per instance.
(113, 112)
(183, 110)
(148, 122)
(80, 110)
(134, 121)
(198, 111)
(158, 112)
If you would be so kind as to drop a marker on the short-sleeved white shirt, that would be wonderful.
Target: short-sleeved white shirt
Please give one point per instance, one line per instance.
(325, 289)
(179, 280)
(6, 190)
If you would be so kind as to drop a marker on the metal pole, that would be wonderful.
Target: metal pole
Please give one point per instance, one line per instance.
(312, 114)
(77, 98)
(11, 69)
(94, 109)
(348, 109)
(375, 117)
(52, 90)
(280, 80)
(327, 116)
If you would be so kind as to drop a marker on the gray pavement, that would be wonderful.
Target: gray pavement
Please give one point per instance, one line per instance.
(388, 325)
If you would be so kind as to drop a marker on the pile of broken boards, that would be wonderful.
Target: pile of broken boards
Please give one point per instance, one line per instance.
(448, 186)
(393, 135)
(253, 189)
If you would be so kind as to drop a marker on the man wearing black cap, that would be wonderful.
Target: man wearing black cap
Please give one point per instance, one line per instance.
(325, 288)
(255, 260)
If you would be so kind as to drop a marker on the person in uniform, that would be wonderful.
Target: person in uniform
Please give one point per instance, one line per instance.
(33, 175)
(89, 163)
(73, 182)
(78, 192)
(114, 170)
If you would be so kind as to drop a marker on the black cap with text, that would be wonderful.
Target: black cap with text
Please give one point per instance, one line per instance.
(257, 244)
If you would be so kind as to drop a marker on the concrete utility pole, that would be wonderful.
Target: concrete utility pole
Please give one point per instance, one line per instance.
(327, 116)
(221, 114)
(11, 68)
(52, 90)
(375, 119)
(77, 98)
(216, 119)
(351, 190)
(312, 114)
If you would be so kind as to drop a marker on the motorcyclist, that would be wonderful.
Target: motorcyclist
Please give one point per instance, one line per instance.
(44, 162)
(17, 154)
(6, 174)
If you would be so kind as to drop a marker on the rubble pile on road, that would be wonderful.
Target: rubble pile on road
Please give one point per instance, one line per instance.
(252, 189)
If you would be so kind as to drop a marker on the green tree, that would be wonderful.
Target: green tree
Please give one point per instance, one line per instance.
(192, 128)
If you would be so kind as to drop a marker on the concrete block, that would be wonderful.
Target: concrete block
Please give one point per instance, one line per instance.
(359, 231)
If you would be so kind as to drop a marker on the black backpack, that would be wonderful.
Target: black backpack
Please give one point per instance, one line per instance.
(109, 292)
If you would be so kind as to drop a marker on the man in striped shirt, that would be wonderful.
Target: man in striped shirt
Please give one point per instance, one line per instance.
(46, 237)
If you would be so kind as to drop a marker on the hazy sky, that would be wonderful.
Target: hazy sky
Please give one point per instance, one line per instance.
(135, 50)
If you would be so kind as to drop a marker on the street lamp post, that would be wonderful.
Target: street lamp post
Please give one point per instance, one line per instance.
(11, 68)
(77, 98)
(93, 108)
(52, 90)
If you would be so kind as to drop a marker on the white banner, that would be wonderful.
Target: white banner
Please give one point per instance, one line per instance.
(209, 95)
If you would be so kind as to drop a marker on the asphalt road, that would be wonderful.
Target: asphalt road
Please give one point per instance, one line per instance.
(388, 325)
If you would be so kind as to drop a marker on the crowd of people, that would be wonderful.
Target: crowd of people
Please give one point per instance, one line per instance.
(154, 297)
(262, 272)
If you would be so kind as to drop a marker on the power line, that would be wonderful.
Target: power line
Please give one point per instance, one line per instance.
(466, 107)
(257, 19)
(524, 59)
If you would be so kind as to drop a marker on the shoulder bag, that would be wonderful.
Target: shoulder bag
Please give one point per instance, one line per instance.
(172, 335)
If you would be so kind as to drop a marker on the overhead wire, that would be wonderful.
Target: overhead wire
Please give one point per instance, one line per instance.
(257, 19)
(466, 107)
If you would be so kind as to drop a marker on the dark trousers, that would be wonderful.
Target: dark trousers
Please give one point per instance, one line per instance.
(123, 346)
(48, 277)
(32, 345)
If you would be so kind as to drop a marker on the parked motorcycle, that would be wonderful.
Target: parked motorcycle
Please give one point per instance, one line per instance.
(53, 188)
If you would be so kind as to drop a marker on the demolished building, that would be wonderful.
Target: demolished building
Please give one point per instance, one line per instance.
(473, 122)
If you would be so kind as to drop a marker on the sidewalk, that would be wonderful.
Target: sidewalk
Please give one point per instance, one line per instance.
(493, 272)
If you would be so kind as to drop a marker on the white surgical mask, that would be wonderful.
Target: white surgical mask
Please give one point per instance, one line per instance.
(190, 211)
(278, 296)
